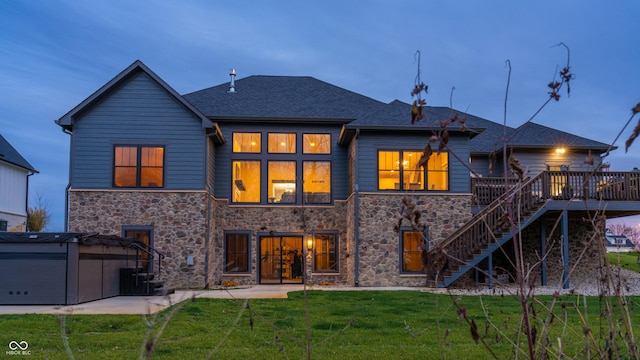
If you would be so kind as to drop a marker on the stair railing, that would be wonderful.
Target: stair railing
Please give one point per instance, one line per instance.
(492, 221)
(150, 251)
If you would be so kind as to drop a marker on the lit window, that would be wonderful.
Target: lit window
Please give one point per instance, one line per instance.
(438, 171)
(316, 143)
(412, 173)
(400, 170)
(246, 142)
(138, 166)
(388, 170)
(246, 181)
(411, 247)
(282, 182)
(325, 252)
(282, 143)
(316, 178)
(236, 253)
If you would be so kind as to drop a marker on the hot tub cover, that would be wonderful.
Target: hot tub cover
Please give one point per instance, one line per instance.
(80, 238)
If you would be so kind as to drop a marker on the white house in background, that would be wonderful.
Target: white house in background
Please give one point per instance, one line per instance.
(14, 187)
(618, 243)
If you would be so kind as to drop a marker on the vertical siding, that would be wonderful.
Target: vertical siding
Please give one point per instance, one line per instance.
(13, 189)
(138, 112)
(370, 142)
(223, 154)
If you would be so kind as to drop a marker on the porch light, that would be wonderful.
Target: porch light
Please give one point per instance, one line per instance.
(310, 243)
(560, 150)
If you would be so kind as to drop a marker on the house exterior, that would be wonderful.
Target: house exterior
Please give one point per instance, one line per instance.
(618, 243)
(14, 187)
(285, 179)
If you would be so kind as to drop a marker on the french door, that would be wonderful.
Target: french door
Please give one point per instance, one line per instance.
(281, 260)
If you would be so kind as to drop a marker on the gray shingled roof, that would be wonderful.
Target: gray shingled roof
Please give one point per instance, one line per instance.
(535, 135)
(10, 155)
(281, 97)
(303, 98)
(397, 115)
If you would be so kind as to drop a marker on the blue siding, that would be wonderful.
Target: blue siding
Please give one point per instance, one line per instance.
(370, 142)
(138, 112)
(338, 158)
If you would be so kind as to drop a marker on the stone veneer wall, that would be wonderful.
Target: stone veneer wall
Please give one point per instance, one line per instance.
(379, 244)
(178, 219)
(260, 220)
(351, 242)
(583, 253)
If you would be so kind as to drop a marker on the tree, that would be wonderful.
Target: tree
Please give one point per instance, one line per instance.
(632, 233)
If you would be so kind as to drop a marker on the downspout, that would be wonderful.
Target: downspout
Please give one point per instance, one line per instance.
(207, 237)
(66, 189)
(357, 213)
(26, 203)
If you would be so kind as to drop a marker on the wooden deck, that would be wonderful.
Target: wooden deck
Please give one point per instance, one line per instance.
(503, 203)
(565, 185)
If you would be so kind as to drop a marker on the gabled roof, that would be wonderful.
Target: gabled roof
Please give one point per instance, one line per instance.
(67, 121)
(300, 98)
(10, 155)
(535, 135)
(397, 115)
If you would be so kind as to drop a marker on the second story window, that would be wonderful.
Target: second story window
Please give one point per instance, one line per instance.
(246, 142)
(400, 170)
(283, 143)
(316, 144)
(316, 178)
(246, 181)
(281, 182)
(137, 166)
(293, 168)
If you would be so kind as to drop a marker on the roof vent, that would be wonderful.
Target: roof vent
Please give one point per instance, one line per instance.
(232, 85)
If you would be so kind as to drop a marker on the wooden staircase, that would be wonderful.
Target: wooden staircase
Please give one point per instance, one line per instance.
(138, 280)
(523, 201)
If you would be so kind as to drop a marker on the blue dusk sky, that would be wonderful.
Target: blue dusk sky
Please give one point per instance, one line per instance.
(54, 54)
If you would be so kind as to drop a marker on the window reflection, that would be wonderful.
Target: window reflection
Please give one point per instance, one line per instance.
(246, 181)
(282, 143)
(282, 181)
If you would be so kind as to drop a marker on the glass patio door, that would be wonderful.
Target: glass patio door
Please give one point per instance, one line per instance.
(281, 260)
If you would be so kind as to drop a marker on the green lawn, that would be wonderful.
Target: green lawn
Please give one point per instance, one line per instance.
(385, 325)
(627, 260)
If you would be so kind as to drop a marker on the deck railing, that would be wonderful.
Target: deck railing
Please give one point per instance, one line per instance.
(490, 223)
(566, 185)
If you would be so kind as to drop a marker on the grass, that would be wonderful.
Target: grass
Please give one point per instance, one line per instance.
(626, 260)
(392, 325)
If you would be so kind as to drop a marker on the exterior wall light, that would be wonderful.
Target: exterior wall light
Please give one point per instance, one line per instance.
(560, 150)
(310, 243)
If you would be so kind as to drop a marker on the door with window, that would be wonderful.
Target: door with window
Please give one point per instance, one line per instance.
(281, 260)
(143, 235)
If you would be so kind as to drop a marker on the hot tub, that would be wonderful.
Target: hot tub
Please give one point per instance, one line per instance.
(61, 268)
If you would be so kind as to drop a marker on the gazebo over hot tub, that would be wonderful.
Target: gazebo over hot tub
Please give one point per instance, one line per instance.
(62, 268)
